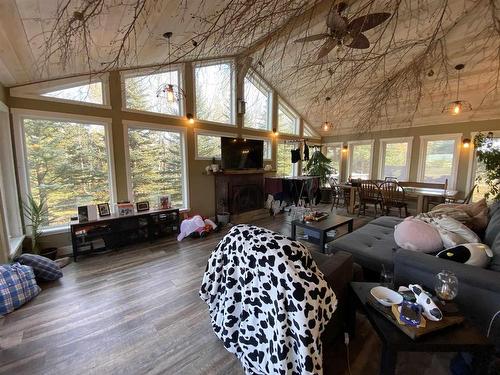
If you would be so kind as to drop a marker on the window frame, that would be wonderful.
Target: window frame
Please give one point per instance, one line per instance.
(35, 90)
(381, 161)
(295, 167)
(257, 81)
(12, 235)
(148, 71)
(315, 135)
(22, 156)
(127, 124)
(212, 133)
(424, 139)
(265, 139)
(204, 63)
(334, 144)
(287, 108)
(472, 164)
(350, 145)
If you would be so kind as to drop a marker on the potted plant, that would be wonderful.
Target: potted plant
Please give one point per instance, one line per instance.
(319, 165)
(489, 155)
(223, 215)
(36, 213)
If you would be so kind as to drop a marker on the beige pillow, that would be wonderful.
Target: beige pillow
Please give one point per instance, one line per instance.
(473, 215)
(452, 232)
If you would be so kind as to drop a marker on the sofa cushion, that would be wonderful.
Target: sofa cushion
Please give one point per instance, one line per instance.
(387, 221)
(44, 268)
(371, 246)
(492, 235)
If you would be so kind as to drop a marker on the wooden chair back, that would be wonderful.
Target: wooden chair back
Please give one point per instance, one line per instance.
(369, 191)
(392, 193)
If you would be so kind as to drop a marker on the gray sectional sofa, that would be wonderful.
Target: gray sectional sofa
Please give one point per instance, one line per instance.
(479, 289)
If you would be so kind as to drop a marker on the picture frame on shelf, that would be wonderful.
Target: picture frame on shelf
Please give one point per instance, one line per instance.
(165, 201)
(125, 209)
(142, 206)
(103, 209)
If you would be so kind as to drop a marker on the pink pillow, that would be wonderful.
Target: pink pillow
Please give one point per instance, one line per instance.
(413, 234)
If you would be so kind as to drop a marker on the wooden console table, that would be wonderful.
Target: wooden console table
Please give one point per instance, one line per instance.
(114, 231)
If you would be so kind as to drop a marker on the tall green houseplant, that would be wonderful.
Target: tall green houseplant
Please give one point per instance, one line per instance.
(319, 165)
(489, 155)
(36, 213)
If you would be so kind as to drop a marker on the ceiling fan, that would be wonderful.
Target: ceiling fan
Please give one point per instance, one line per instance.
(342, 32)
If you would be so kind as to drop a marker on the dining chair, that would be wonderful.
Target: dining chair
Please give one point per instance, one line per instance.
(393, 196)
(466, 199)
(436, 201)
(337, 193)
(369, 193)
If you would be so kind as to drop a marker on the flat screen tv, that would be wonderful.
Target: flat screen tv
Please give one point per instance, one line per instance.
(239, 153)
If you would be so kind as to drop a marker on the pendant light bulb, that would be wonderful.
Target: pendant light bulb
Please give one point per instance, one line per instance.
(170, 94)
(457, 109)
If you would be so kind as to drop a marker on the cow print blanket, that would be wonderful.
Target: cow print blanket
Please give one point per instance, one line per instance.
(268, 301)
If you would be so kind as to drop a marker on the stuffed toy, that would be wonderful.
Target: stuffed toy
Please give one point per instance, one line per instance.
(473, 254)
(196, 227)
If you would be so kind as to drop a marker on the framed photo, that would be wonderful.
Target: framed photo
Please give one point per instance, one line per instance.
(83, 214)
(165, 201)
(125, 209)
(142, 206)
(103, 209)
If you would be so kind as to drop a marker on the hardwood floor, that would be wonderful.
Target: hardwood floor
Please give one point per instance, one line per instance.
(137, 311)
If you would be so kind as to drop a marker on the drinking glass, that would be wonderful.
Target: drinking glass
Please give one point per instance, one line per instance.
(446, 286)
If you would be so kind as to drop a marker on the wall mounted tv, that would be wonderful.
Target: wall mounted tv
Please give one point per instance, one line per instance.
(240, 153)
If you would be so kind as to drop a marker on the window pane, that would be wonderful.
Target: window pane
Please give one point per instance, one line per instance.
(267, 150)
(395, 160)
(334, 153)
(287, 122)
(361, 161)
(208, 146)
(439, 161)
(308, 132)
(213, 86)
(91, 93)
(257, 100)
(482, 187)
(141, 93)
(284, 166)
(67, 165)
(156, 165)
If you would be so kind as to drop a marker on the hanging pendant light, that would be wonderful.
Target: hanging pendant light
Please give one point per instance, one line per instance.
(458, 106)
(173, 93)
(327, 125)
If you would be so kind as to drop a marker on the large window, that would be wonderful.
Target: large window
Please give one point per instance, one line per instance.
(208, 144)
(395, 157)
(360, 159)
(258, 98)
(214, 92)
(268, 146)
(157, 165)
(334, 153)
(439, 158)
(67, 165)
(284, 165)
(478, 172)
(88, 93)
(141, 92)
(288, 121)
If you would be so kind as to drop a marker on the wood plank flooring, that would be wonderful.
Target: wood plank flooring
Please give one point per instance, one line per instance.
(137, 311)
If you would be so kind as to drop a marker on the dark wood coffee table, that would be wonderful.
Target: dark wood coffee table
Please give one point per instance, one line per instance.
(462, 338)
(322, 227)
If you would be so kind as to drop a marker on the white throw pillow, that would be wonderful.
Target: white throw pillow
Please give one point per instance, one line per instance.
(452, 232)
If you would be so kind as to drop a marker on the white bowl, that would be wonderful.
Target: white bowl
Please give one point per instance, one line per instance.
(386, 296)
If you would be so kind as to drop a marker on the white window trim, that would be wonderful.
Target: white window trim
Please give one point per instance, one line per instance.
(35, 90)
(381, 160)
(349, 155)
(295, 166)
(127, 124)
(457, 137)
(265, 139)
(148, 71)
(261, 84)
(233, 91)
(11, 226)
(334, 144)
(471, 173)
(21, 153)
(209, 133)
(288, 108)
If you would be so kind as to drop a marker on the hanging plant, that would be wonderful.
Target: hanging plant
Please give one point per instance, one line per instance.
(489, 155)
(319, 165)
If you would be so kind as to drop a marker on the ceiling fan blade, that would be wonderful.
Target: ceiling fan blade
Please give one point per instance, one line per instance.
(312, 38)
(327, 47)
(335, 21)
(360, 42)
(360, 24)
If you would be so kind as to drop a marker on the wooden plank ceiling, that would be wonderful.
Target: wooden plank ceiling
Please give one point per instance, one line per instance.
(410, 60)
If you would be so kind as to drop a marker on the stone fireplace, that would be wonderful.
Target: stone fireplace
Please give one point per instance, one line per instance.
(239, 191)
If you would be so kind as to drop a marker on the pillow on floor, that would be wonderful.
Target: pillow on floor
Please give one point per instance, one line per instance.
(44, 268)
(473, 254)
(17, 286)
(416, 235)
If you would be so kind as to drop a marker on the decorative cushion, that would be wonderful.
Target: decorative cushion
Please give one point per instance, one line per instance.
(452, 232)
(474, 254)
(414, 234)
(473, 215)
(44, 268)
(17, 286)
